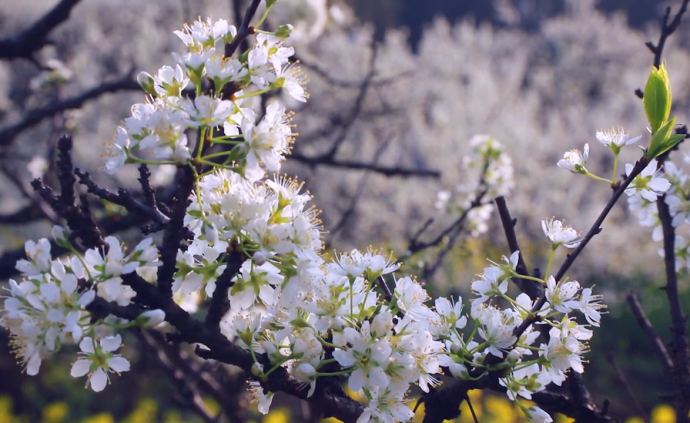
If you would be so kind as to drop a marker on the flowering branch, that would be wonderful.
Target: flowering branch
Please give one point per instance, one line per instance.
(291, 319)
(594, 230)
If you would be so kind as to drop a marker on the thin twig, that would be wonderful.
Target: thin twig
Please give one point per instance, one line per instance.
(531, 288)
(416, 246)
(650, 332)
(33, 117)
(244, 30)
(355, 198)
(348, 84)
(122, 198)
(355, 165)
(34, 38)
(351, 116)
(624, 380)
(666, 30)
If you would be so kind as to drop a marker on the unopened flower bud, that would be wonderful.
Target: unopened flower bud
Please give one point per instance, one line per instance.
(210, 232)
(458, 371)
(283, 31)
(146, 81)
(513, 356)
(455, 347)
(259, 258)
(305, 372)
(257, 369)
(537, 415)
(61, 236)
(151, 318)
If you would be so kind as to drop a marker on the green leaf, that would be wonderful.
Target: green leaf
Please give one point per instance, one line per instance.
(671, 142)
(662, 140)
(657, 98)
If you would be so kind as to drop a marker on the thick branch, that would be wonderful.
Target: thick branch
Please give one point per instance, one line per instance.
(220, 303)
(176, 231)
(680, 347)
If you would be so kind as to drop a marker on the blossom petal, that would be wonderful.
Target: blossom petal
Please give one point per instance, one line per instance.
(111, 343)
(80, 368)
(119, 364)
(98, 380)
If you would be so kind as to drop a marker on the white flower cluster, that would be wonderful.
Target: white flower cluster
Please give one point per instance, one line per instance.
(495, 177)
(312, 317)
(159, 124)
(337, 322)
(48, 308)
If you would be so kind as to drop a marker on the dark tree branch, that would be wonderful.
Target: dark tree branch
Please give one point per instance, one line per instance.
(650, 332)
(176, 231)
(444, 403)
(356, 109)
(201, 380)
(679, 346)
(416, 246)
(531, 288)
(219, 302)
(355, 199)
(33, 117)
(124, 199)
(170, 362)
(351, 164)
(78, 217)
(100, 308)
(624, 381)
(347, 84)
(34, 38)
(244, 30)
(666, 30)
